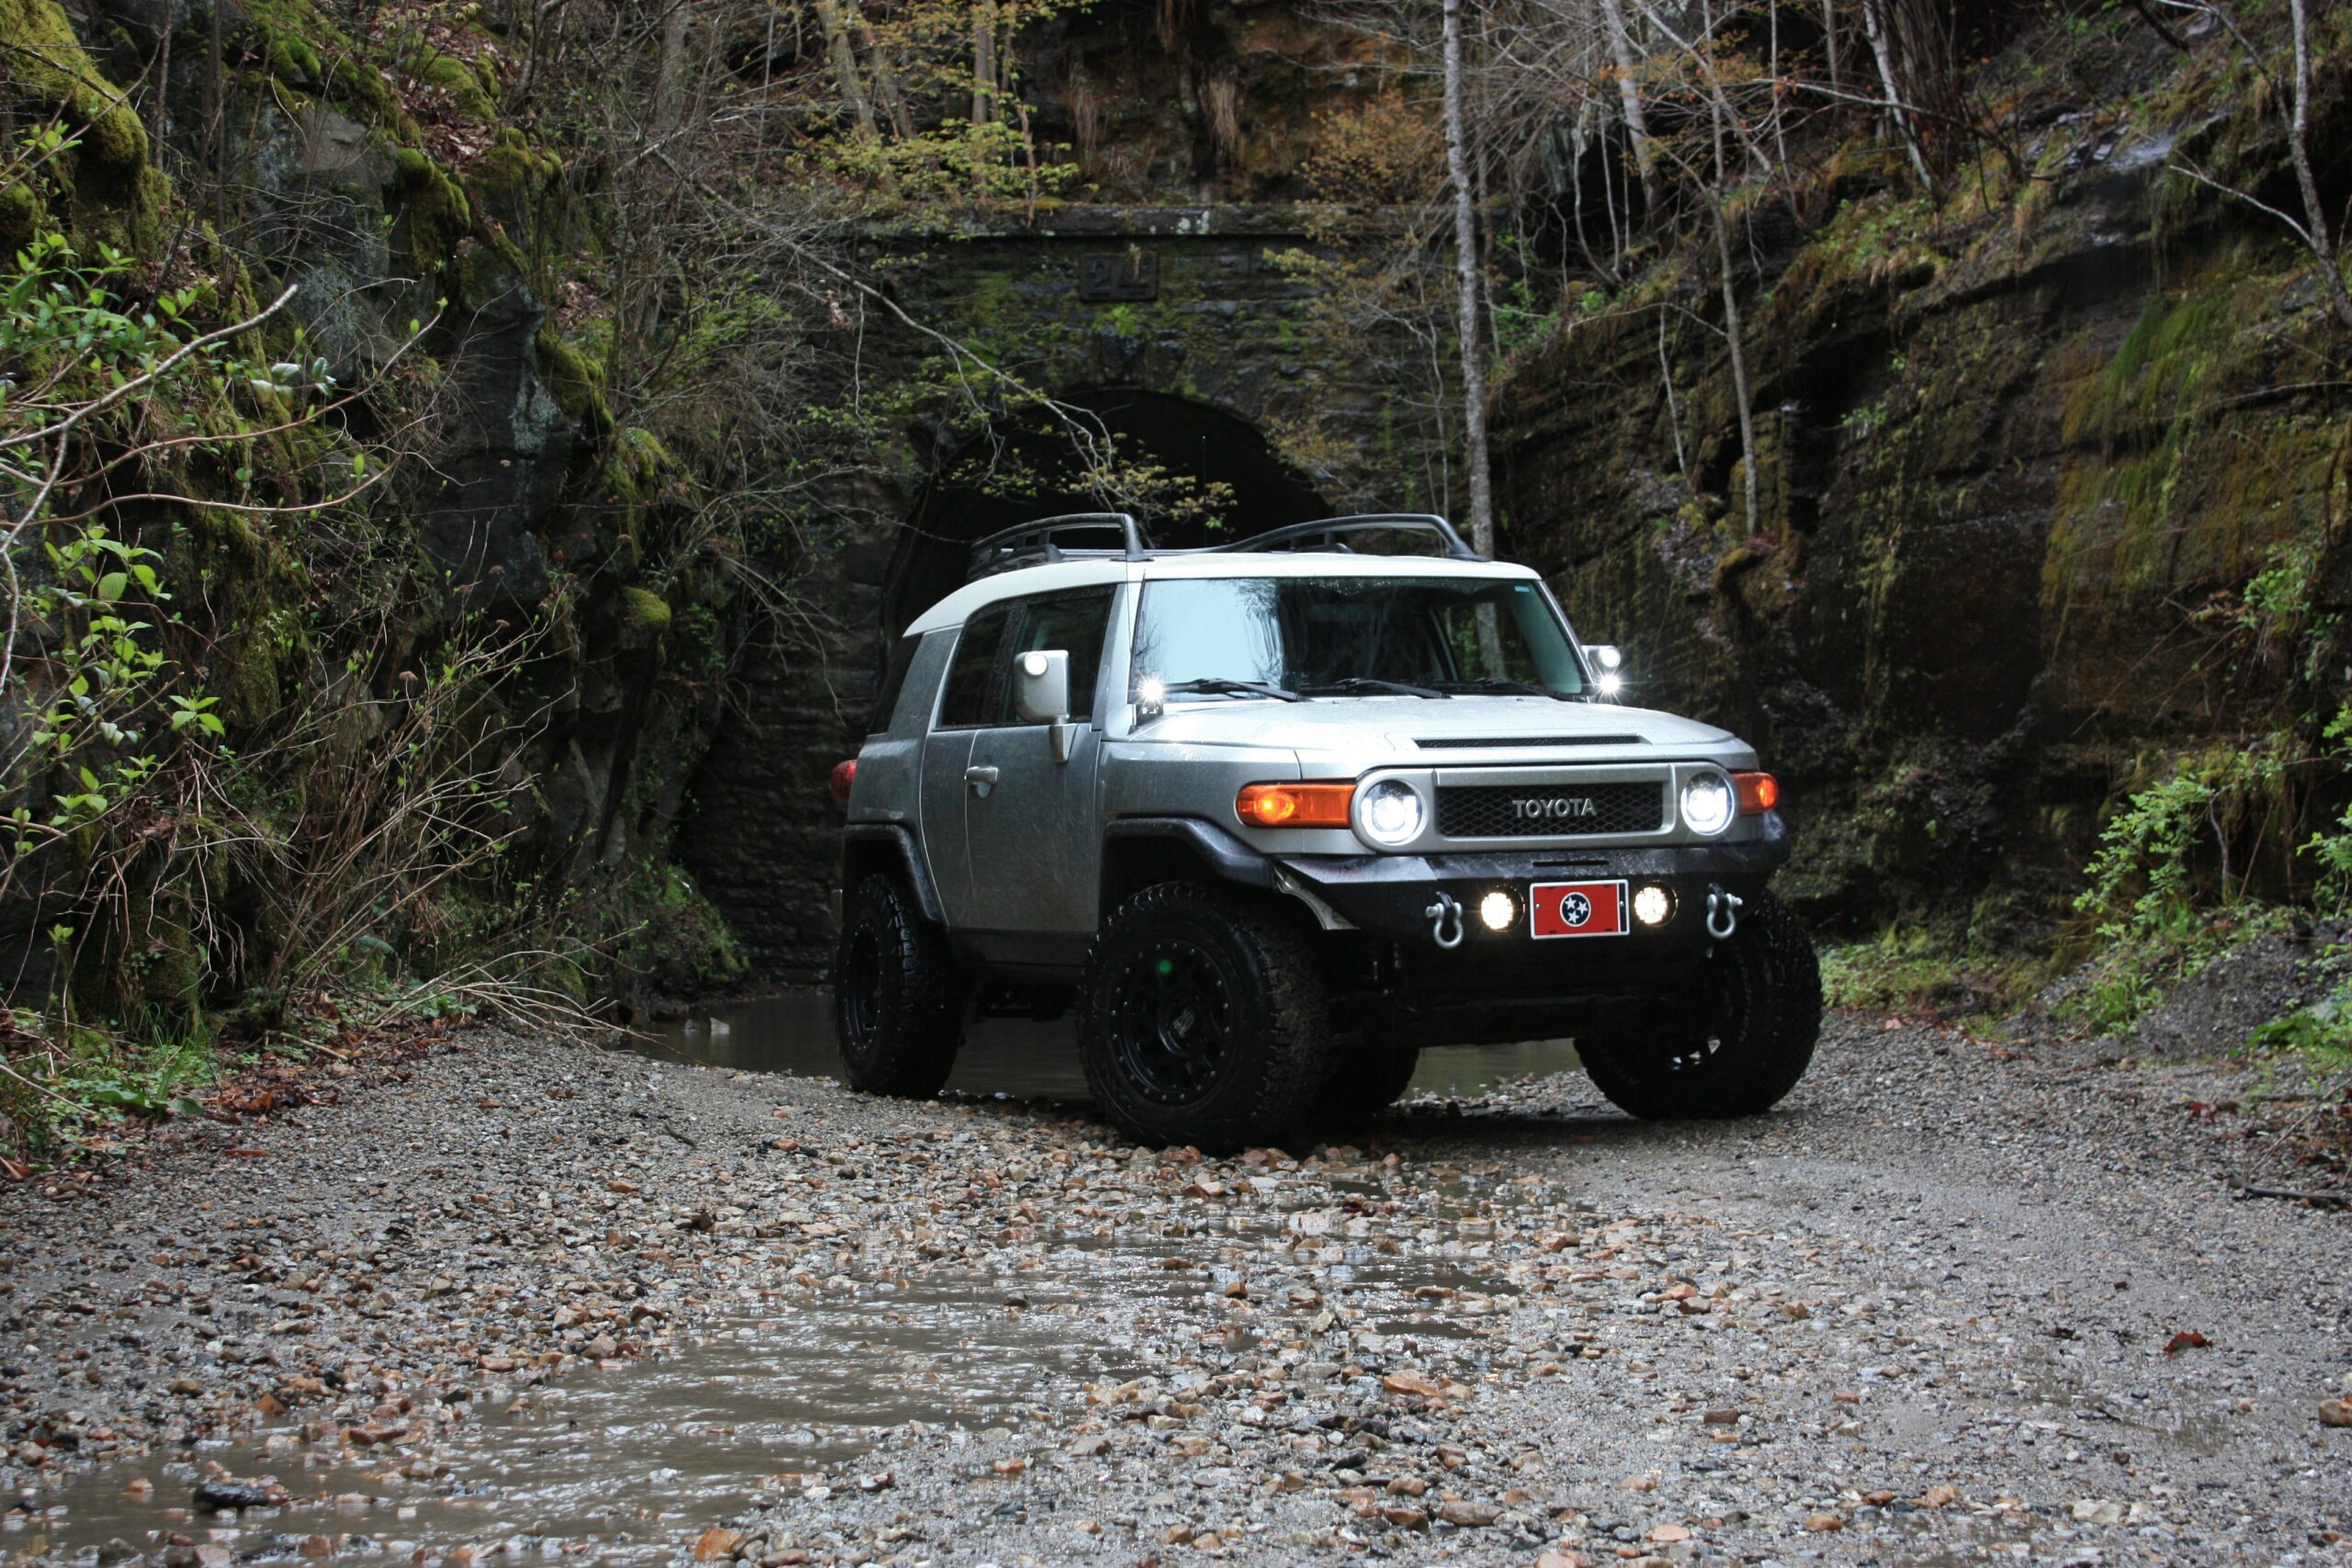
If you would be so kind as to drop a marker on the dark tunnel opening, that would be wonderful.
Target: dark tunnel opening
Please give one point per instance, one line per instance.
(1031, 472)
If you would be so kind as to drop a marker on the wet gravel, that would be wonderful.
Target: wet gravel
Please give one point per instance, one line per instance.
(532, 1299)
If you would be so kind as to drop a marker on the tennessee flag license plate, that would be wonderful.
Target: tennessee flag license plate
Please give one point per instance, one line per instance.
(1579, 909)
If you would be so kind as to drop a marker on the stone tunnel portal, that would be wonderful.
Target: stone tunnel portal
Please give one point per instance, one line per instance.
(763, 838)
(1030, 473)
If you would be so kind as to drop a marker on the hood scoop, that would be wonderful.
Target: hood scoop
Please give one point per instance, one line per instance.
(1521, 742)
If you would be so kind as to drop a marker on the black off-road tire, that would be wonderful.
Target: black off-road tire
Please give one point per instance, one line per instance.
(1767, 988)
(1204, 1019)
(1363, 1078)
(898, 1000)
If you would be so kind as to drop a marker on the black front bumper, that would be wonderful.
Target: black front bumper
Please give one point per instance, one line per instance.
(1391, 895)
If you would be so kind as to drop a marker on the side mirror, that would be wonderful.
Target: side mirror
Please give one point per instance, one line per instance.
(1041, 687)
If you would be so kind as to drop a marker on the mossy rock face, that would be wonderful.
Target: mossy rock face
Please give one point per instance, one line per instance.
(113, 193)
(24, 218)
(2016, 465)
(431, 212)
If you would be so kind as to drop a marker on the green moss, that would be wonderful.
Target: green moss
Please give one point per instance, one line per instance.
(433, 213)
(644, 611)
(454, 76)
(24, 217)
(107, 176)
(578, 382)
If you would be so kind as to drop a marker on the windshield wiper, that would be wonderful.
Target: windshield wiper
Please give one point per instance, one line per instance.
(1217, 685)
(1372, 684)
(1510, 689)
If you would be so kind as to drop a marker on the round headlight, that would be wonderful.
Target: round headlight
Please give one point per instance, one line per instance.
(1389, 813)
(1708, 803)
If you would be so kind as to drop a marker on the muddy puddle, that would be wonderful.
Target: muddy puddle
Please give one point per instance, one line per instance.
(793, 1033)
(794, 1383)
(609, 1463)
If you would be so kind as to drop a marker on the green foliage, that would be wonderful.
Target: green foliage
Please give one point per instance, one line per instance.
(2331, 850)
(2163, 889)
(2320, 1033)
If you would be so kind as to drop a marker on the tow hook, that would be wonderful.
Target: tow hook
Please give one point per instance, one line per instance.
(1723, 913)
(1445, 912)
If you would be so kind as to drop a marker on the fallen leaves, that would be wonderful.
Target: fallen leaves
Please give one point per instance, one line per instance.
(2187, 1341)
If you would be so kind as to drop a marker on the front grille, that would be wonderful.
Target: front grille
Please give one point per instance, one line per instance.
(1468, 743)
(1496, 811)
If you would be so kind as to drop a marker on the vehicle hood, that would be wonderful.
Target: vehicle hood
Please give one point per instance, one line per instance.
(1403, 725)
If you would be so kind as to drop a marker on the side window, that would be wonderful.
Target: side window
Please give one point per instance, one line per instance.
(1076, 622)
(974, 687)
(894, 680)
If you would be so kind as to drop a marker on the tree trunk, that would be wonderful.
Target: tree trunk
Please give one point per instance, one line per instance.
(837, 50)
(1881, 31)
(1730, 316)
(984, 63)
(1829, 44)
(1465, 261)
(886, 79)
(1629, 96)
(2299, 145)
(670, 91)
(163, 92)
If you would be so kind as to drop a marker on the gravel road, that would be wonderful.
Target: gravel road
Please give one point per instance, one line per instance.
(525, 1298)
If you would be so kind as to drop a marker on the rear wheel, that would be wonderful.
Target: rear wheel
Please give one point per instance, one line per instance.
(1204, 1019)
(1763, 995)
(899, 1001)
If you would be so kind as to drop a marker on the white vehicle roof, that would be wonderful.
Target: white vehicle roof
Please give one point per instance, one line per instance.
(1094, 571)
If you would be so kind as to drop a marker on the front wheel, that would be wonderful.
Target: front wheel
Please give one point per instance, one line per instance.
(898, 1000)
(1763, 995)
(1204, 1018)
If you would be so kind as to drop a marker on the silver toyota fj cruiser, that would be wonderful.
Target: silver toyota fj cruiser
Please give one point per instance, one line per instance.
(1276, 813)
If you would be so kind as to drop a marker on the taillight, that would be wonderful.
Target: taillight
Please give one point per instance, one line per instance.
(844, 775)
(1759, 793)
(1294, 805)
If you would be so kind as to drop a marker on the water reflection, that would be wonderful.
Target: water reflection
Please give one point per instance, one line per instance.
(792, 1032)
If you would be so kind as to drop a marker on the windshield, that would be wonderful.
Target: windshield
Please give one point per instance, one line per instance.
(1352, 636)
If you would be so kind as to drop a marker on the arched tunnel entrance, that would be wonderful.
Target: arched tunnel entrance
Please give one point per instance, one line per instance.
(762, 837)
(1200, 475)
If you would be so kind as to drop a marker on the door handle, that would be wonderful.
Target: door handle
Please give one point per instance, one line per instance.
(981, 778)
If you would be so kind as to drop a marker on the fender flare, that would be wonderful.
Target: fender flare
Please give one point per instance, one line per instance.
(900, 850)
(1232, 860)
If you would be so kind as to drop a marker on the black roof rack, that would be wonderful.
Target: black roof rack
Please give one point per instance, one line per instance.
(1328, 533)
(1039, 543)
(1035, 543)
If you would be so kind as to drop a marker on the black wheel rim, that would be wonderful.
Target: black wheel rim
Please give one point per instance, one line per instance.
(1727, 1015)
(1171, 1025)
(861, 988)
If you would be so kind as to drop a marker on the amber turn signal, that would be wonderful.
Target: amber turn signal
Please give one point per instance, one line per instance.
(1759, 793)
(1294, 805)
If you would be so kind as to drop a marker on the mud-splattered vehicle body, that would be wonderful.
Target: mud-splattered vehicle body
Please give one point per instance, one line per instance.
(1276, 814)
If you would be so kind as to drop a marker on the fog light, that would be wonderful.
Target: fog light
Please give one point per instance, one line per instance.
(1652, 905)
(1500, 910)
